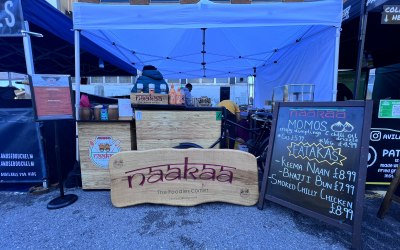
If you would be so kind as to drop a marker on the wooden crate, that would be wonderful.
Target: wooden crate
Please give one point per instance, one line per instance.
(144, 98)
(98, 141)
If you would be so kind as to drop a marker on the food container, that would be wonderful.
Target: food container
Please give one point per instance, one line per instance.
(85, 113)
(97, 110)
(113, 112)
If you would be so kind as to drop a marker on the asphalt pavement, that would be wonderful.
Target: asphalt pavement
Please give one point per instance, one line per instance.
(93, 223)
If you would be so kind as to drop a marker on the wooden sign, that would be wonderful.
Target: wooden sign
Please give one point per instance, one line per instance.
(318, 160)
(144, 98)
(393, 193)
(183, 177)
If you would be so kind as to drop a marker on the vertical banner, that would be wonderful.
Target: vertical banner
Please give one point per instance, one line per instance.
(21, 154)
(51, 95)
(11, 18)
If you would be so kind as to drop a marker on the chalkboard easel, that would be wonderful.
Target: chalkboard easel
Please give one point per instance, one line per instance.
(390, 195)
(317, 161)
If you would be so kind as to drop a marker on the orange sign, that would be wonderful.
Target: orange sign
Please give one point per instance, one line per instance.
(52, 97)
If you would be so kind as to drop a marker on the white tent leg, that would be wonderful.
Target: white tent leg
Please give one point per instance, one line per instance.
(336, 65)
(30, 69)
(77, 86)
(77, 74)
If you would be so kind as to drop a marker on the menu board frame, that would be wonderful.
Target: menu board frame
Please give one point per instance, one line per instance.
(41, 87)
(361, 169)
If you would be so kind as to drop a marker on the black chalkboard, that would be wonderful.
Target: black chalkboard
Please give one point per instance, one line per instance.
(317, 161)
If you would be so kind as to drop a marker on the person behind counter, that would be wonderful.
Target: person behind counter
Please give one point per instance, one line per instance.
(150, 75)
(188, 95)
(233, 116)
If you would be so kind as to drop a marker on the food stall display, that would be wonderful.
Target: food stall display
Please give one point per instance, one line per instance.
(165, 126)
(155, 124)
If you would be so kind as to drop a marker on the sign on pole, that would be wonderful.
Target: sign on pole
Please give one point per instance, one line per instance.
(11, 18)
(391, 14)
(51, 95)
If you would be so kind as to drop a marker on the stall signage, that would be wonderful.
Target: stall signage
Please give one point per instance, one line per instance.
(21, 154)
(391, 14)
(389, 109)
(318, 159)
(383, 155)
(11, 19)
(183, 177)
(101, 149)
(51, 96)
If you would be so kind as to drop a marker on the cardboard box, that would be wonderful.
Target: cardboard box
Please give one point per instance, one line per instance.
(145, 98)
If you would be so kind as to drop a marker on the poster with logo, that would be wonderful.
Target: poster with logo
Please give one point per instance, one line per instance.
(101, 149)
(384, 142)
(21, 153)
(383, 155)
(51, 95)
(11, 19)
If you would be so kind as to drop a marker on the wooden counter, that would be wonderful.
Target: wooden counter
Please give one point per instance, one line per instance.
(157, 126)
(98, 141)
(165, 126)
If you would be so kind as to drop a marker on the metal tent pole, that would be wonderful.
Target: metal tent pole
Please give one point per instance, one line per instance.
(361, 42)
(77, 73)
(77, 86)
(336, 65)
(30, 69)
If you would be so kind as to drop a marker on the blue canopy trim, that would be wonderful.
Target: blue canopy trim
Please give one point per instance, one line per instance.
(54, 53)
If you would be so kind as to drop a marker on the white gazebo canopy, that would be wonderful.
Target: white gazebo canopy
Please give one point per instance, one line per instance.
(280, 43)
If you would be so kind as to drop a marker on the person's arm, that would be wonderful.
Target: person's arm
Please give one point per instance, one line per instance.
(237, 112)
(238, 116)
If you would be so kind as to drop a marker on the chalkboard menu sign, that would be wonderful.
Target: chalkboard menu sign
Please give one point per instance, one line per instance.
(317, 160)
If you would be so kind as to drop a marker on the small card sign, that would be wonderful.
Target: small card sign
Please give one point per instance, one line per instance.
(183, 177)
(125, 108)
(389, 109)
(144, 98)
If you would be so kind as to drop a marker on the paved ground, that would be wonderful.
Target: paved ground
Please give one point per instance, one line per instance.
(93, 223)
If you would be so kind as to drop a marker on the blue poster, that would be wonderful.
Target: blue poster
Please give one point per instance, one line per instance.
(21, 153)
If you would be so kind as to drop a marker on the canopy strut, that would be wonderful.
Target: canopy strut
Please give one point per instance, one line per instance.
(203, 52)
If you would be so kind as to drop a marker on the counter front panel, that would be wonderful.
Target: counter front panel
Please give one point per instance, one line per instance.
(98, 141)
(169, 127)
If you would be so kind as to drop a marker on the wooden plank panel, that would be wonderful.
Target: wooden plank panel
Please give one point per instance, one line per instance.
(167, 128)
(98, 141)
(183, 177)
